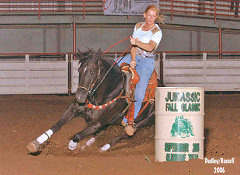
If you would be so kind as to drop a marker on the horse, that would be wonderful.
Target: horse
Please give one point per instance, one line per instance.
(99, 100)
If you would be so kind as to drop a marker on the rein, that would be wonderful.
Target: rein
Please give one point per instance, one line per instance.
(116, 44)
(93, 90)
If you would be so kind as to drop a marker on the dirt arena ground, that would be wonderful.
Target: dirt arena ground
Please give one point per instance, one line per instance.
(25, 117)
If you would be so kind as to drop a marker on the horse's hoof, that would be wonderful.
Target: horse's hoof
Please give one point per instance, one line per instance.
(90, 141)
(105, 148)
(83, 147)
(33, 146)
(72, 145)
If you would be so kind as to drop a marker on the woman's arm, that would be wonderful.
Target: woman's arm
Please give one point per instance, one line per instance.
(145, 46)
(133, 57)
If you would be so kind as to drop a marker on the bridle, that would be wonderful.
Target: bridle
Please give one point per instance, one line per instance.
(82, 87)
(89, 89)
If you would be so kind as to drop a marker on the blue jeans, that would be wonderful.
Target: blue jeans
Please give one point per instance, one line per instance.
(144, 68)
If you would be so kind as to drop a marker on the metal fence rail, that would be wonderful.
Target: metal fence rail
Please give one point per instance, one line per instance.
(208, 8)
(49, 7)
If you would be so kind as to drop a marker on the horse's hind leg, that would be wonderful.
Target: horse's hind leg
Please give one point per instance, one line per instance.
(114, 142)
(68, 114)
(90, 141)
(140, 124)
(123, 136)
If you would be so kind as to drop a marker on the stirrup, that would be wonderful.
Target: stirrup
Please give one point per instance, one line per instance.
(131, 99)
(132, 123)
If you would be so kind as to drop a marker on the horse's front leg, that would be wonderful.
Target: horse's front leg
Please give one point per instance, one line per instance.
(68, 114)
(91, 129)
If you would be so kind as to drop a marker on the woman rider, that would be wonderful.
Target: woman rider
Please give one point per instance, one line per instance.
(145, 39)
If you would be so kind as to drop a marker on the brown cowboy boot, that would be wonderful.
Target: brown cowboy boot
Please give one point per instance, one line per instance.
(130, 129)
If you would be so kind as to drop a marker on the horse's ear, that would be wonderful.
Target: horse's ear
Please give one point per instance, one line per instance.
(78, 54)
(99, 50)
(100, 53)
(82, 55)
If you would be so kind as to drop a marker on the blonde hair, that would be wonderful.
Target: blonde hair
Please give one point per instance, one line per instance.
(160, 17)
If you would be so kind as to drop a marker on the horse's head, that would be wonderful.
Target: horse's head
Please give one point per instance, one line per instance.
(89, 73)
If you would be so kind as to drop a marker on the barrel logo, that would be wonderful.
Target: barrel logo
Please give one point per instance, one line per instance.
(181, 128)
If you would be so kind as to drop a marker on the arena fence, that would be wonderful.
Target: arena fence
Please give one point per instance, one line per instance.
(34, 74)
(51, 7)
(58, 73)
(204, 70)
(208, 8)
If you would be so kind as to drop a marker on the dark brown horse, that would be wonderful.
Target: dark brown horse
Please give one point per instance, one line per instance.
(98, 100)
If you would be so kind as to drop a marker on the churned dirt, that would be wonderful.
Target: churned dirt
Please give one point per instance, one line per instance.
(25, 117)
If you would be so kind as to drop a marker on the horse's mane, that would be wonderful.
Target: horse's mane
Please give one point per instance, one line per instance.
(95, 55)
(90, 54)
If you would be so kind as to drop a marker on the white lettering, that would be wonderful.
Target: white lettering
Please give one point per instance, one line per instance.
(218, 161)
(227, 161)
(212, 161)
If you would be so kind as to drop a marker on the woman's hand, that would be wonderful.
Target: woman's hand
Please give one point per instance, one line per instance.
(133, 64)
(149, 47)
(133, 41)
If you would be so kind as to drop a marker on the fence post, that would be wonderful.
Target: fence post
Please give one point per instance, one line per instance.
(204, 69)
(39, 9)
(215, 11)
(160, 55)
(84, 10)
(163, 67)
(69, 59)
(27, 74)
(220, 43)
(74, 37)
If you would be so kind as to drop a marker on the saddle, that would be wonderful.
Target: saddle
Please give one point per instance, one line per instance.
(130, 90)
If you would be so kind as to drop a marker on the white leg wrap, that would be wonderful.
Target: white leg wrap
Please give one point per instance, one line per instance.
(42, 138)
(105, 148)
(90, 141)
(49, 132)
(72, 145)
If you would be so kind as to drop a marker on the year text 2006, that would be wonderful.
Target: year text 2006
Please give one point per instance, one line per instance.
(219, 170)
